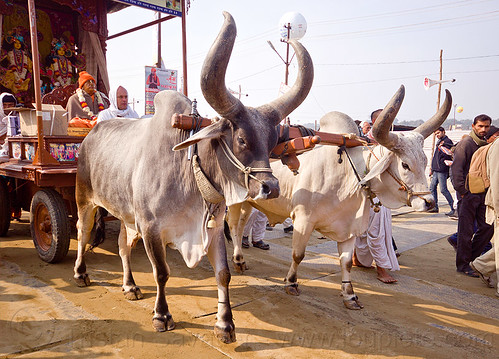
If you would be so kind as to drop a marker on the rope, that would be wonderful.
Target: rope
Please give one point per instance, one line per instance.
(403, 186)
(246, 170)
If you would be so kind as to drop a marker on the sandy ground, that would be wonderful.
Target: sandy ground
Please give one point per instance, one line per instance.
(433, 312)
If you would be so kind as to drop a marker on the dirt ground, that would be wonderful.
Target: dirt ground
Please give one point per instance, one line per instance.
(433, 312)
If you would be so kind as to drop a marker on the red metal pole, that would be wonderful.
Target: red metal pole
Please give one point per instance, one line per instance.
(42, 156)
(184, 49)
(158, 65)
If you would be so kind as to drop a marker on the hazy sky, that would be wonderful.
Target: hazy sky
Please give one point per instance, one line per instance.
(362, 52)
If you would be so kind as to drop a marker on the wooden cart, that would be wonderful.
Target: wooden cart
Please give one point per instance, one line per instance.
(46, 191)
(39, 173)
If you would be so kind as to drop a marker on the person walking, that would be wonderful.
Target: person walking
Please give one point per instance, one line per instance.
(471, 206)
(439, 170)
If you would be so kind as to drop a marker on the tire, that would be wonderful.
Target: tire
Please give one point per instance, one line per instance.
(49, 224)
(4, 208)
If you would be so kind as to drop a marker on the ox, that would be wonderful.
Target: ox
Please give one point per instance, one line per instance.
(129, 168)
(326, 196)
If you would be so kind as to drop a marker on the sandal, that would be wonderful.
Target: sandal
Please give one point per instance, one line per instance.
(485, 279)
(261, 244)
(469, 272)
(245, 243)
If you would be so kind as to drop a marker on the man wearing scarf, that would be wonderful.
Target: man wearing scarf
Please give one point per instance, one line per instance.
(86, 103)
(471, 206)
(119, 106)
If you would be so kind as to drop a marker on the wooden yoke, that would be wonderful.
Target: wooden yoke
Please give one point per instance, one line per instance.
(327, 138)
(287, 150)
(189, 122)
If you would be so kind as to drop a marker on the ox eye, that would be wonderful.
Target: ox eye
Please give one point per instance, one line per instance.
(241, 141)
(405, 166)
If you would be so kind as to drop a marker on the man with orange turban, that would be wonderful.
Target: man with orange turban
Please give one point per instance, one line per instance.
(84, 106)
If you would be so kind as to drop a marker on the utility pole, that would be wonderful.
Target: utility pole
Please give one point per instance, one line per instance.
(438, 104)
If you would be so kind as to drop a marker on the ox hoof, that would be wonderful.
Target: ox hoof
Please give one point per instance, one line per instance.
(133, 293)
(240, 267)
(292, 289)
(226, 334)
(163, 323)
(82, 280)
(353, 303)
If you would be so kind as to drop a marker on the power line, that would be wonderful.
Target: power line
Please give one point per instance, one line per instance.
(402, 12)
(386, 79)
(406, 62)
(466, 18)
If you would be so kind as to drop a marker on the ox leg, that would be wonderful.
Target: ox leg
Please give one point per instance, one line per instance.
(130, 289)
(86, 215)
(301, 236)
(237, 218)
(217, 255)
(156, 251)
(345, 250)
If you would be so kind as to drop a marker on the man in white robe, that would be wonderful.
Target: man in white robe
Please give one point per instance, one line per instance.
(376, 243)
(119, 106)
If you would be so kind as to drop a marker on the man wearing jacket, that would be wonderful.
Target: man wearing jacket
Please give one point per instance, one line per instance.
(470, 206)
(439, 170)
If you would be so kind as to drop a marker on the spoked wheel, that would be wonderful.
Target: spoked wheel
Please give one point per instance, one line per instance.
(49, 223)
(4, 208)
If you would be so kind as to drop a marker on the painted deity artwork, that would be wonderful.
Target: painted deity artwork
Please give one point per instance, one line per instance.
(65, 152)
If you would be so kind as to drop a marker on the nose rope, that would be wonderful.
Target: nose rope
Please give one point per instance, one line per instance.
(244, 169)
(403, 186)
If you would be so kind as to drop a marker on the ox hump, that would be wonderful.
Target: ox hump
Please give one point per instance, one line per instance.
(338, 122)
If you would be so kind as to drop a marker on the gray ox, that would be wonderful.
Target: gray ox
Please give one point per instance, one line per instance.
(326, 196)
(129, 168)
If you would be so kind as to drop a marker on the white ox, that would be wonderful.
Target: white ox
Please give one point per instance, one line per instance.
(326, 195)
(129, 168)
(492, 200)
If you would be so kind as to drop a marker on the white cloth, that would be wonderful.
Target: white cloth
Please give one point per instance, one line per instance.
(256, 225)
(113, 111)
(376, 243)
(3, 115)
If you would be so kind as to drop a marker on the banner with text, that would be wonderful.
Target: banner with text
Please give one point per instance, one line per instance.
(158, 80)
(170, 7)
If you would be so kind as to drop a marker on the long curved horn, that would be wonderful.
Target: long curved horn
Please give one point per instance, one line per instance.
(381, 128)
(214, 68)
(436, 121)
(285, 104)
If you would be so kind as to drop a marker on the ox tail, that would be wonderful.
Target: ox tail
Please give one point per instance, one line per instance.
(227, 232)
(100, 228)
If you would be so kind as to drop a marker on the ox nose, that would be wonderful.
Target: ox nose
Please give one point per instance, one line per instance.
(270, 188)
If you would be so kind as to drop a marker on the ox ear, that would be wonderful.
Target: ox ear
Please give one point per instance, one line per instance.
(212, 131)
(378, 168)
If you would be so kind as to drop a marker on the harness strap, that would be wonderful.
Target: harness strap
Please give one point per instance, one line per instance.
(209, 193)
(403, 186)
(246, 170)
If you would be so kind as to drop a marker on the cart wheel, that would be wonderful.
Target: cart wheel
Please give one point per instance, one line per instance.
(4, 208)
(50, 225)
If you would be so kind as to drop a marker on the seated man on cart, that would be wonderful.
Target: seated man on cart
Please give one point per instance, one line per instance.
(84, 106)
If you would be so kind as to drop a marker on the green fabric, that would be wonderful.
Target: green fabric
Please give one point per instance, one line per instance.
(477, 139)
